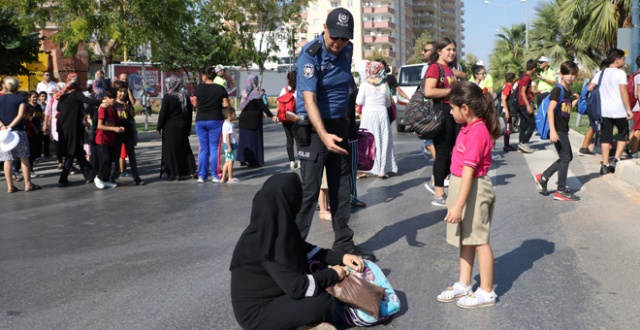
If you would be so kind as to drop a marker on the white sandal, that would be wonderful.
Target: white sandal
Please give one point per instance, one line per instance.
(455, 292)
(480, 298)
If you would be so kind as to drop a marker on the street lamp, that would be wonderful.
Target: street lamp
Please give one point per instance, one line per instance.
(505, 14)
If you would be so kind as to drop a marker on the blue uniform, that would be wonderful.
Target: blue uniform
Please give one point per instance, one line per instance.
(327, 75)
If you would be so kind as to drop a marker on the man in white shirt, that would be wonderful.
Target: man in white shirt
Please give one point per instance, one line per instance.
(46, 85)
(615, 107)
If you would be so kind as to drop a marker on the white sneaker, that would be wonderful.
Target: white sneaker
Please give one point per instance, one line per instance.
(99, 183)
(292, 165)
(216, 179)
(110, 185)
(446, 182)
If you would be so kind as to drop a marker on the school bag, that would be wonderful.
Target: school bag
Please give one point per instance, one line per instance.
(593, 105)
(542, 122)
(286, 102)
(389, 305)
(582, 101)
(631, 89)
(366, 150)
(421, 113)
(512, 100)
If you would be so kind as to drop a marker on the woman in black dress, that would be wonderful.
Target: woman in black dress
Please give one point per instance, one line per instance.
(251, 144)
(271, 287)
(174, 125)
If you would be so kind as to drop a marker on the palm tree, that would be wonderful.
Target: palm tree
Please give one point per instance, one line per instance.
(594, 23)
(509, 52)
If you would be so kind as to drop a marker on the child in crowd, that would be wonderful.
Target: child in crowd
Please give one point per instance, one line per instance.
(265, 98)
(126, 142)
(229, 144)
(471, 196)
(106, 139)
(558, 114)
(509, 77)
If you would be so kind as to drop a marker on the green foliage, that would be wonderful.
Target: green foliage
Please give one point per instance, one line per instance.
(377, 54)
(509, 53)
(467, 63)
(16, 47)
(416, 56)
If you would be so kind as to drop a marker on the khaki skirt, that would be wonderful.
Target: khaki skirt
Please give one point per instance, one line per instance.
(476, 214)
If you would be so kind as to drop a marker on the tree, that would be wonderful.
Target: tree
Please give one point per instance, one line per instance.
(469, 61)
(377, 55)
(416, 56)
(508, 54)
(16, 47)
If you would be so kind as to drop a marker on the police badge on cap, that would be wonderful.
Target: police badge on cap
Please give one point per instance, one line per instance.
(340, 23)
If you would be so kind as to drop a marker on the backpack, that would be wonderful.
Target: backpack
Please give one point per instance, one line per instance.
(366, 150)
(421, 113)
(582, 101)
(593, 105)
(542, 122)
(631, 89)
(512, 100)
(286, 102)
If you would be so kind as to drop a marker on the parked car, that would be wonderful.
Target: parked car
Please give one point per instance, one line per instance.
(409, 79)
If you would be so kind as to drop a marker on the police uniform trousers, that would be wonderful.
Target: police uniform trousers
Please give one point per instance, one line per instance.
(315, 157)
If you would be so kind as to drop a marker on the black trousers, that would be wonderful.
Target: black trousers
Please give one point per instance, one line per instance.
(289, 134)
(287, 313)
(527, 124)
(85, 167)
(313, 158)
(129, 145)
(444, 142)
(563, 147)
(105, 155)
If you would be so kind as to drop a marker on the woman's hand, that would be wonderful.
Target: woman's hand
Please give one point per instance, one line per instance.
(342, 271)
(275, 119)
(356, 263)
(454, 215)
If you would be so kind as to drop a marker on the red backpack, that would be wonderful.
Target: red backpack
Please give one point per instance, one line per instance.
(286, 102)
(631, 89)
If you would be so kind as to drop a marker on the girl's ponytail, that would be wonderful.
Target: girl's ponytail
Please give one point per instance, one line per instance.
(490, 115)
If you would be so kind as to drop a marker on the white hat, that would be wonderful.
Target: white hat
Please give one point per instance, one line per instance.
(89, 82)
(219, 67)
(543, 59)
(480, 63)
(8, 140)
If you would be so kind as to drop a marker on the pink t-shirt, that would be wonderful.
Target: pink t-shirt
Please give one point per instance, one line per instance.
(473, 149)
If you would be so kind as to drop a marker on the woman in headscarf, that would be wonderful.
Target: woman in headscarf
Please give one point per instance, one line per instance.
(375, 96)
(271, 287)
(51, 119)
(251, 144)
(174, 125)
(71, 129)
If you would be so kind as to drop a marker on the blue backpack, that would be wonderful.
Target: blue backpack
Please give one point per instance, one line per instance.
(593, 105)
(542, 122)
(582, 101)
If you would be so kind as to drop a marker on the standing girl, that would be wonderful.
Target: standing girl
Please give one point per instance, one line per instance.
(471, 196)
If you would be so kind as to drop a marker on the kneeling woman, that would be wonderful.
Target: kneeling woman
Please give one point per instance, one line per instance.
(271, 287)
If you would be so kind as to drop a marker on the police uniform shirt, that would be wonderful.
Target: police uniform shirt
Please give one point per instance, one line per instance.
(326, 74)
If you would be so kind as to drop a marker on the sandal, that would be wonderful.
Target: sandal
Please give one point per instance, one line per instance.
(480, 298)
(33, 187)
(361, 175)
(325, 215)
(455, 292)
(15, 189)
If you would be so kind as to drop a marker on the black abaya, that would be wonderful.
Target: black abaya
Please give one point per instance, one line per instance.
(175, 126)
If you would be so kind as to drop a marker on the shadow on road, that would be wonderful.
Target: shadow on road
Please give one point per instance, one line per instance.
(406, 228)
(510, 266)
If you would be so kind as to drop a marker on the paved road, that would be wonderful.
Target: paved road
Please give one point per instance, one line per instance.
(157, 256)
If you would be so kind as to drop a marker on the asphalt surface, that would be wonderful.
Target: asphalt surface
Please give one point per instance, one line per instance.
(157, 256)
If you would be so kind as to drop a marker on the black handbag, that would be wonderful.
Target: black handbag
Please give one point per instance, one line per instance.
(422, 114)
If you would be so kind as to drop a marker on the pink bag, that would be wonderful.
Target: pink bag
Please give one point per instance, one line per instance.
(366, 150)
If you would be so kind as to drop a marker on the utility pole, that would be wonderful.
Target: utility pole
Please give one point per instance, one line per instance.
(635, 34)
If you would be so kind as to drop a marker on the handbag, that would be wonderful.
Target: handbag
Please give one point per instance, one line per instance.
(391, 112)
(357, 292)
(424, 117)
(366, 150)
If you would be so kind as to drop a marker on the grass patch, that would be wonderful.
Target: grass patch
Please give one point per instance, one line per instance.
(583, 125)
(152, 126)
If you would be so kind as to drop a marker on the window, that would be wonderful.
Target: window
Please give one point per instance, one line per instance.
(349, 3)
(335, 4)
(315, 7)
(316, 22)
(316, 35)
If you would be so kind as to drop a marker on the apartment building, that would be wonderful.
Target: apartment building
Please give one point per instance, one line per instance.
(389, 26)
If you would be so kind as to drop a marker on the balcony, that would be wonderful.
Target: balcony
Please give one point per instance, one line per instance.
(379, 40)
(379, 25)
(378, 9)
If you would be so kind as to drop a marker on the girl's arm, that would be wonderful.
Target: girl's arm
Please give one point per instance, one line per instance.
(454, 214)
(227, 140)
(430, 90)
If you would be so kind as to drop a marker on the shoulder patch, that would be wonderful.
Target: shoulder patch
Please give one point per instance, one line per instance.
(309, 70)
(314, 48)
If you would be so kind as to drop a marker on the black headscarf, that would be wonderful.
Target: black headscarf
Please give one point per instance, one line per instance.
(272, 234)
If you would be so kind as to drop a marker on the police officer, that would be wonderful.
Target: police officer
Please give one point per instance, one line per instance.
(324, 77)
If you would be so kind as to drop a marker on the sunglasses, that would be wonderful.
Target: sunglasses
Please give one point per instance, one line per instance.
(46, 74)
(339, 38)
(427, 50)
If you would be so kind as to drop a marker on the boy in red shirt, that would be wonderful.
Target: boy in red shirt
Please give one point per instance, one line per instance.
(506, 91)
(527, 118)
(106, 139)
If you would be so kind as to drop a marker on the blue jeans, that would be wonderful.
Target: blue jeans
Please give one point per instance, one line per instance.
(209, 133)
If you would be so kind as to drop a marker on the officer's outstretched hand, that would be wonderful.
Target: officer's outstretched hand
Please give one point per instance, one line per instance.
(331, 143)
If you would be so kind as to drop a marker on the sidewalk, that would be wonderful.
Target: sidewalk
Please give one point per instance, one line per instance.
(627, 173)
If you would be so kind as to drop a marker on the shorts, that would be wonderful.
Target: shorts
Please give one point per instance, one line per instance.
(636, 121)
(123, 151)
(230, 156)
(21, 150)
(476, 214)
(606, 131)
